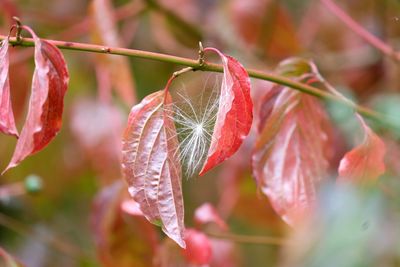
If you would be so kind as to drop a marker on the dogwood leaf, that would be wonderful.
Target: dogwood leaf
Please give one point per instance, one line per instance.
(7, 122)
(46, 104)
(363, 163)
(151, 165)
(294, 146)
(235, 113)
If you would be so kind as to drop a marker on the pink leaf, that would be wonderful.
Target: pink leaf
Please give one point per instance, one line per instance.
(225, 253)
(235, 113)
(131, 207)
(7, 122)
(363, 163)
(206, 213)
(121, 239)
(293, 150)
(151, 166)
(49, 84)
(105, 31)
(198, 247)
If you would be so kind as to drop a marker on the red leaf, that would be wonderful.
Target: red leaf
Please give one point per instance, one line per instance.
(363, 163)
(151, 166)
(49, 84)
(206, 213)
(198, 247)
(121, 239)
(235, 113)
(6, 260)
(7, 122)
(292, 152)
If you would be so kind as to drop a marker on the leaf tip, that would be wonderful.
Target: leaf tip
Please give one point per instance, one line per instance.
(208, 165)
(203, 170)
(11, 132)
(178, 239)
(5, 170)
(10, 165)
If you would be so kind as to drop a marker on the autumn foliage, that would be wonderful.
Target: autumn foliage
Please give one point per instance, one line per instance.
(215, 168)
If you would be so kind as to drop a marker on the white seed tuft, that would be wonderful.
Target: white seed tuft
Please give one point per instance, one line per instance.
(195, 123)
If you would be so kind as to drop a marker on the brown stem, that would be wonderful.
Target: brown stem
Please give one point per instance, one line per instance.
(182, 71)
(361, 31)
(305, 88)
(260, 240)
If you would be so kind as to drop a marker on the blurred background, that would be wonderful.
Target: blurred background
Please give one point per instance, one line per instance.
(64, 205)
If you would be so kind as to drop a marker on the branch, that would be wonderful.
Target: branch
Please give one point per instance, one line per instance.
(249, 239)
(368, 113)
(54, 242)
(360, 31)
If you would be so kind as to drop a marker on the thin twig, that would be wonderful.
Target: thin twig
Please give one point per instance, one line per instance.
(361, 31)
(305, 88)
(187, 27)
(54, 242)
(249, 239)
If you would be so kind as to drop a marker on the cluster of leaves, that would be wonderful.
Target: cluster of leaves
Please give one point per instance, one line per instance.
(291, 156)
(150, 163)
(49, 84)
(291, 143)
(44, 118)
